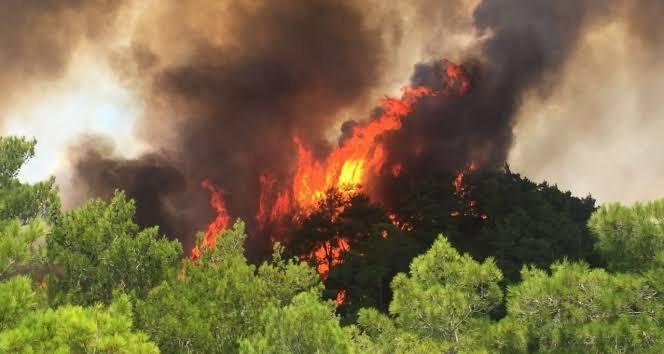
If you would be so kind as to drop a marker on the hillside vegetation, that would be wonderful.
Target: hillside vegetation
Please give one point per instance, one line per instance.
(522, 268)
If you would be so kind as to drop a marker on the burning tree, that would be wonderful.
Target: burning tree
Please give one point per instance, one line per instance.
(359, 160)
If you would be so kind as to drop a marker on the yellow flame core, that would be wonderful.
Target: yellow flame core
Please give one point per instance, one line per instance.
(351, 174)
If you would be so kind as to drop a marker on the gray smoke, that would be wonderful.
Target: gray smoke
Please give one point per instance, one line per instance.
(225, 101)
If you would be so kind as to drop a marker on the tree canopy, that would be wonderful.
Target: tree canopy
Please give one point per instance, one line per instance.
(222, 299)
(98, 248)
(444, 302)
(519, 270)
(630, 238)
(29, 322)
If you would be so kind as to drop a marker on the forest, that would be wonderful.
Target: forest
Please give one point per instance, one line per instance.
(515, 267)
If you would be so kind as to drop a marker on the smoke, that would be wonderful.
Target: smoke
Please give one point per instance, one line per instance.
(527, 55)
(225, 101)
(152, 180)
(39, 38)
(227, 86)
(527, 44)
(598, 132)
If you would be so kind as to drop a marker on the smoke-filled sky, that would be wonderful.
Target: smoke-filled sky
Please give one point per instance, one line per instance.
(147, 94)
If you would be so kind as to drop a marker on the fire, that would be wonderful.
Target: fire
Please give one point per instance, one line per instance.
(349, 166)
(459, 186)
(340, 298)
(460, 190)
(396, 169)
(329, 254)
(219, 224)
(399, 224)
(266, 211)
(456, 76)
(346, 169)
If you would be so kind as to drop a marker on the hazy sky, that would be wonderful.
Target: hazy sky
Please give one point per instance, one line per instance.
(602, 130)
(599, 131)
(87, 100)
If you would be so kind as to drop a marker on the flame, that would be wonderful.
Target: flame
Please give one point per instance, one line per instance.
(329, 254)
(340, 298)
(396, 169)
(349, 166)
(399, 224)
(359, 157)
(456, 78)
(219, 224)
(461, 191)
(264, 213)
(272, 207)
(459, 186)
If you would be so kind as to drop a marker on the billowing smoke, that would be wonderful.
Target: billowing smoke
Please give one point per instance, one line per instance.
(40, 37)
(229, 110)
(153, 180)
(523, 48)
(228, 85)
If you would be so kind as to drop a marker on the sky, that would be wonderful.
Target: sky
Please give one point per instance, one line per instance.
(598, 131)
(601, 131)
(87, 100)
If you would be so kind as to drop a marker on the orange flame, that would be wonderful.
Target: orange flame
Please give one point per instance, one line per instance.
(361, 154)
(396, 169)
(460, 190)
(349, 166)
(459, 186)
(219, 224)
(456, 77)
(329, 254)
(340, 298)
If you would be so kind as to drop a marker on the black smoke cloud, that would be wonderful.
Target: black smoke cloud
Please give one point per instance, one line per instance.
(527, 48)
(529, 43)
(228, 110)
(152, 181)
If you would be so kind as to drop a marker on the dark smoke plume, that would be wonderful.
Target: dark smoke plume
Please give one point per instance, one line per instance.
(530, 42)
(227, 110)
(528, 46)
(232, 109)
(152, 180)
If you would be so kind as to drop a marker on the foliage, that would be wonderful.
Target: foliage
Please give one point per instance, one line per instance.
(24, 211)
(629, 238)
(445, 293)
(99, 262)
(98, 248)
(77, 329)
(378, 249)
(23, 201)
(528, 224)
(286, 277)
(443, 303)
(324, 225)
(577, 309)
(307, 325)
(19, 248)
(367, 270)
(17, 299)
(221, 298)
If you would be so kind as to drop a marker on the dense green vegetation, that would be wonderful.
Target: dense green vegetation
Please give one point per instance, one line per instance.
(543, 272)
